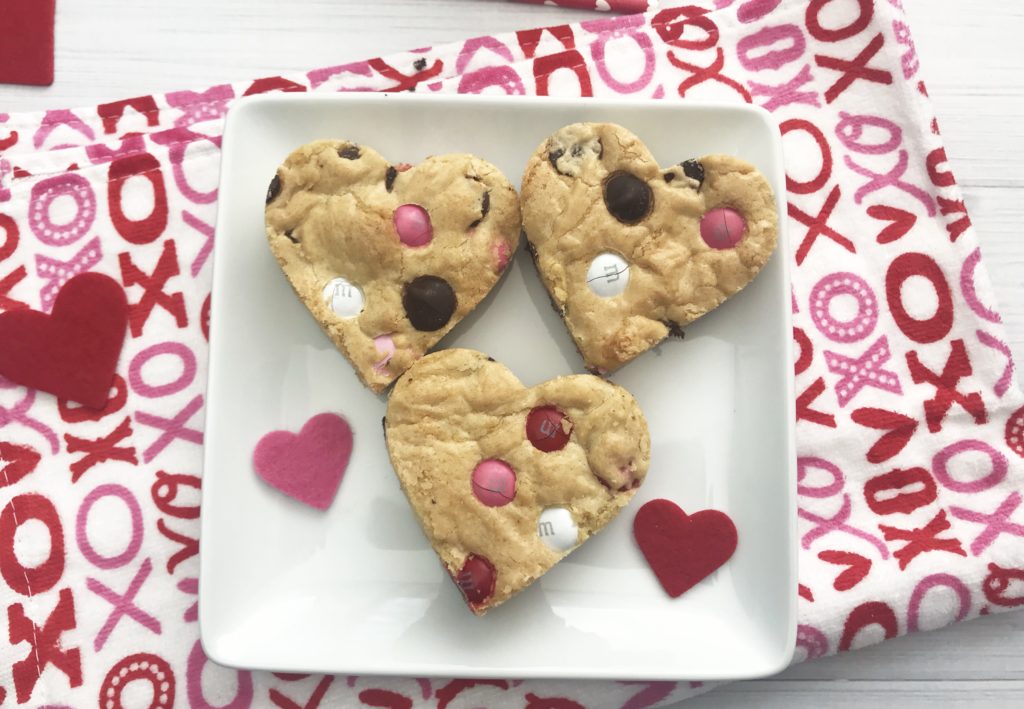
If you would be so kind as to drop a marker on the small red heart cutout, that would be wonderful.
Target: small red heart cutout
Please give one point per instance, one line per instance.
(307, 466)
(682, 549)
(72, 352)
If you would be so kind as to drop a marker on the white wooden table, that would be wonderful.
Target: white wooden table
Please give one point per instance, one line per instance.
(973, 61)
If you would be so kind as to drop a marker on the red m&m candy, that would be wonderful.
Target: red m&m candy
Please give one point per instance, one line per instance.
(476, 579)
(548, 428)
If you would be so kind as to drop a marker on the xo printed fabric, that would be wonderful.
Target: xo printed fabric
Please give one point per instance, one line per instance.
(910, 424)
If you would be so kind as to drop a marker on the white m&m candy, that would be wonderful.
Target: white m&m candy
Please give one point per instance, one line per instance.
(557, 529)
(608, 275)
(344, 298)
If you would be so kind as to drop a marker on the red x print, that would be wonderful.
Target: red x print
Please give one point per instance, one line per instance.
(946, 394)
(922, 540)
(153, 285)
(405, 82)
(803, 406)
(701, 74)
(101, 449)
(7, 283)
(852, 70)
(818, 226)
(950, 206)
(313, 702)
(44, 646)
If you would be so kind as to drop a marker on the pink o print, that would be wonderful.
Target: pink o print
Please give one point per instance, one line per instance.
(82, 526)
(42, 198)
(963, 595)
(997, 472)
(155, 391)
(803, 465)
(812, 641)
(863, 321)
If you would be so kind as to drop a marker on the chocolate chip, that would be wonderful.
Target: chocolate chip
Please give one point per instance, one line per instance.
(674, 329)
(490, 359)
(429, 302)
(669, 176)
(694, 170)
(420, 64)
(274, 190)
(389, 178)
(554, 156)
(349, 152)
(628, 198)
(485, 208)
(291, 237)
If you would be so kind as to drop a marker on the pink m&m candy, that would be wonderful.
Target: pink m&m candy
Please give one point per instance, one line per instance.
(476, 579)
(548, 429)
(494, 482)
(722, 228)
(413, 225)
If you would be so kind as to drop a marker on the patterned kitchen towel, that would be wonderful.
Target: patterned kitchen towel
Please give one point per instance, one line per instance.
(910, 430)
(624, 6)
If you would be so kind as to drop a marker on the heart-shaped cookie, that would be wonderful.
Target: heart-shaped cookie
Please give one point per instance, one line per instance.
(629, 251)
(388, 258)
(507, 480)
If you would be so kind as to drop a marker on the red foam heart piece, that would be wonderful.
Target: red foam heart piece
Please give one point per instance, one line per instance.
(307, 466)
(72, 352)
(683, 549)
(26, 42)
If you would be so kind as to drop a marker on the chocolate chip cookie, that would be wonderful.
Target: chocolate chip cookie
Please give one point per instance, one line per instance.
(388, 257)
(505, 480)
(630, 252)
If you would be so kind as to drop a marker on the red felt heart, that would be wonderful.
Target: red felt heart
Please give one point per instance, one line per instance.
(26, 42)
(309, 465)
(72, 352)
(683, 549)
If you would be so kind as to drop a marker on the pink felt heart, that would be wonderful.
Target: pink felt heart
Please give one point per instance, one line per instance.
(683, 549)
(307, 466)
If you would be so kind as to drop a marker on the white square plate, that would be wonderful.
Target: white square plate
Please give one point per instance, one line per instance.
(357, 589)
